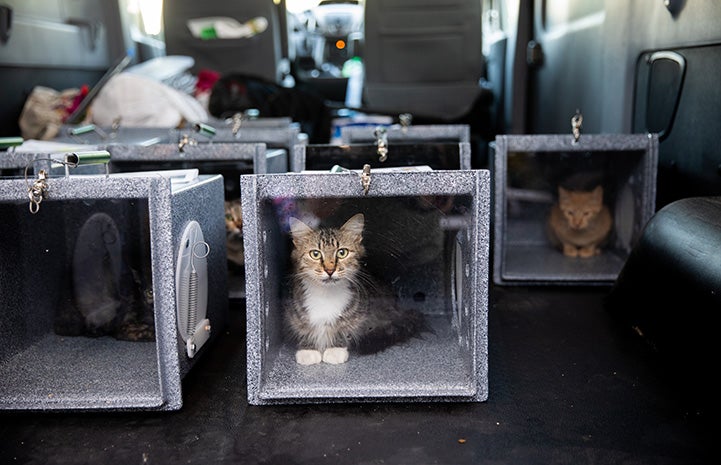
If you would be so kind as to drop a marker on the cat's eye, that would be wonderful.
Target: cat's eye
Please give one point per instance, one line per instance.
(314, 254)
(342, 253)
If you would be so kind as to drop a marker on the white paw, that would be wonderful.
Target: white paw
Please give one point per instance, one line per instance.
(335, 355)
(308, 357)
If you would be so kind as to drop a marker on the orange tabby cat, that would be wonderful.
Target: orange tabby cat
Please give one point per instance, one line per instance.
(579, 223)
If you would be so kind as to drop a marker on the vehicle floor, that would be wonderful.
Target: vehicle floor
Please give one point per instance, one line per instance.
(567, 385)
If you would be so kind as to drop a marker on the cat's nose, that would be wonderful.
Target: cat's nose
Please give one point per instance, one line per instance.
(330, 271)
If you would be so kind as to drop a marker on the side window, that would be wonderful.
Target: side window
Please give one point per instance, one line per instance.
(492, 23)
(145, 18)
(560, 12)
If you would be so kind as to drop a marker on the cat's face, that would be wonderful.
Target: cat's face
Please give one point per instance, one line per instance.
(327, 256)
(233, 217)
(580, 208)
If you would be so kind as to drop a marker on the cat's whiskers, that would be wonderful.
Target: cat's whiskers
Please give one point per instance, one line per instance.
(361, 279)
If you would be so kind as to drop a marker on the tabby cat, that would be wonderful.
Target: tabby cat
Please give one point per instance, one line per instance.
(334, 305)
(234, 233)
(579, 223)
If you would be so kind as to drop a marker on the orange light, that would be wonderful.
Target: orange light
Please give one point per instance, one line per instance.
(340, 44)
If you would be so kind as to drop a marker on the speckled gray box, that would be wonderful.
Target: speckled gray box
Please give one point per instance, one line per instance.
(41, 370)
(437, 155)
(261, 122)
(13, 163)
(274, 137)
(251, 157)
(228, 159)
(417, 133)
(121, 135)
(270, 132)
(527, 171)
(438, 221)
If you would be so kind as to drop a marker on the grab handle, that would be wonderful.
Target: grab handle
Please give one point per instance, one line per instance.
(6, 23)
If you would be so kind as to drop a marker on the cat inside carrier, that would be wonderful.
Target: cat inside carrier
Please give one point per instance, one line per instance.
(569, 211)
(357, 296)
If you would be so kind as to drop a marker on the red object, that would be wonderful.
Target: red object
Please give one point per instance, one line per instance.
(206, 79)
(84, 89)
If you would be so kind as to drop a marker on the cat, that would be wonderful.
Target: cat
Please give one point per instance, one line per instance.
(579, 223)
(335, 306)
(234, 233)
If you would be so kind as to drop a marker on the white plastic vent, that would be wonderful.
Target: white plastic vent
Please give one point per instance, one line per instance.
(191, 284)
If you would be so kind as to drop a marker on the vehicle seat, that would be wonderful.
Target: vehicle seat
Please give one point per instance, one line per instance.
(423, 58)
(260, 55)
(669, 292)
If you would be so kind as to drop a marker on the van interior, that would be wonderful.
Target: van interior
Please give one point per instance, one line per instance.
(584, 365)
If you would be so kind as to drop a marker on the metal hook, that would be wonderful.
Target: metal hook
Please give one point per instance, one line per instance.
(115, 127)
(37, 191)
(381, 135)
(576, 125)
(405, 119)
(237, 122)
(365, 178)
(185, 140)
(365, 175)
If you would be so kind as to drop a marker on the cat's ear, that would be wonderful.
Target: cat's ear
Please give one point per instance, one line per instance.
(354, 225)
(562, 193)
(298, 228)
(598, 193)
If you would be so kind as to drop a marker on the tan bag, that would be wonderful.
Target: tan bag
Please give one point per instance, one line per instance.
(44, 112)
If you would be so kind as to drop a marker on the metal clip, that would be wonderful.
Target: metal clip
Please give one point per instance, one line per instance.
(237, 122)
(186, 140)
(38, 191)
(405, 119)
(381, 135)
(365, 178)
(365, 175)
(576, 125)
(115, 127)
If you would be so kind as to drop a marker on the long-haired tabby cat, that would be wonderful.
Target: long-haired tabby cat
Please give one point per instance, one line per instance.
(234, 234)
(334, 305)
(579, 223)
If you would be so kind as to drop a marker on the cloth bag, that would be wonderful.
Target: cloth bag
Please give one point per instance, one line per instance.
(139, 101)
(44, 112)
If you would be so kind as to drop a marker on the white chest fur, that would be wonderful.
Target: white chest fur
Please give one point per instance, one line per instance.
(326, 302)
